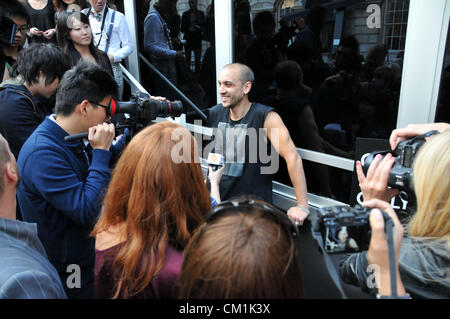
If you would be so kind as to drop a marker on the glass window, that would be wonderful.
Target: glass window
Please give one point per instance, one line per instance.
(351, 73)
(192, 34)
(396, 19)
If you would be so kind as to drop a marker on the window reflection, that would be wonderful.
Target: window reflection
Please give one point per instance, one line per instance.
(350, 78)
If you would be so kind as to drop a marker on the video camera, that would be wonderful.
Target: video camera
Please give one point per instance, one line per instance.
(8, 31)
(400, 176)
(142, 110)
(343, 228)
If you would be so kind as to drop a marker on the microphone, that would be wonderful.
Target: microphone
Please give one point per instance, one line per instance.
(215, 160)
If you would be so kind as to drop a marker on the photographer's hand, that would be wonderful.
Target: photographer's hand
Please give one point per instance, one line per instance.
(297, 214)
(374, 185)
(378, 248)
(412, 130)
(158, 98)
(101, 136)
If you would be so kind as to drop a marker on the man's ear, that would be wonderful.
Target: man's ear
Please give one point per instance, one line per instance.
(247, 87)
(10, 171)
(82, 107)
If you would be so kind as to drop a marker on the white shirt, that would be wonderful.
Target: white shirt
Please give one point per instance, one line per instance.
(120, 44)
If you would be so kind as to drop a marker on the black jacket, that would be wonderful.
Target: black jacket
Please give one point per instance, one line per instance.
(424, 269)
(20, 113)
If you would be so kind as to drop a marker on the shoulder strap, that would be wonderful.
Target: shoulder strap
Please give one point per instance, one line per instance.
(31, 101)
(108, 35)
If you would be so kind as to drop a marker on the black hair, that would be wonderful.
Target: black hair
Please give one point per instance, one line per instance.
(86, 81)
(14, 8)
(350, 42)
(64, 25)
(263, 19)
(287, 74)
(60, 5)
(42, 57)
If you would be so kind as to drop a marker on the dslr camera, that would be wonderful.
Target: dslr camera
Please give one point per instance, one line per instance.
(343, 229)
(142, 110)
(401, 176)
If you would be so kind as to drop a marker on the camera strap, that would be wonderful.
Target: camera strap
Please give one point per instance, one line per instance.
(391, 253)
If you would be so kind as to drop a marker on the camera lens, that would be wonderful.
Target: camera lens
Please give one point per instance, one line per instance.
(166, 108)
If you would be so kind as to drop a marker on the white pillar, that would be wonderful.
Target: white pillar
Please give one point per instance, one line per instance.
(223, 16)
(133, 58)
(426, 37)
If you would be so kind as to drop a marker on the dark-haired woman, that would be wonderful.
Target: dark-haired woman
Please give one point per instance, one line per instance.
(69, 5)
(75, 39)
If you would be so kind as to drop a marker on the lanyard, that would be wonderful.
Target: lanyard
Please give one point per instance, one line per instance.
(103, 24)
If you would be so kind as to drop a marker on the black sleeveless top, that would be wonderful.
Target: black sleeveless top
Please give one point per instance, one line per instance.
(250, 162)
(43, 19)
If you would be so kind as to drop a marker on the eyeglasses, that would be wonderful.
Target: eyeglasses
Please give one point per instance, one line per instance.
(106, 107)
(23, 29)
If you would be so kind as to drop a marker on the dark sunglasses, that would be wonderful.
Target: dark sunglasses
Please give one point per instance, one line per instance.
(110, 108)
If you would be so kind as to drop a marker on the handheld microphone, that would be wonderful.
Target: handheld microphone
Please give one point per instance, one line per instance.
(215, 160)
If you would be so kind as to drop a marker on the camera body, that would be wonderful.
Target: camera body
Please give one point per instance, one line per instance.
(143, 110)
(400, 176)
(343, 228)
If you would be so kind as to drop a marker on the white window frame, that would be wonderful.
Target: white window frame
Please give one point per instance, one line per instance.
(386, 23)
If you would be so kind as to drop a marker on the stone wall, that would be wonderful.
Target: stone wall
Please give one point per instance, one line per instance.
(355, 23)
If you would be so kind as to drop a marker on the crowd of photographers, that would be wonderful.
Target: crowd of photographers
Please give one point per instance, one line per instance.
(149, 228)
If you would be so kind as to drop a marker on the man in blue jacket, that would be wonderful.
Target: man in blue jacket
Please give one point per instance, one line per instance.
(158, 46)
(40, 68)
(25, 272)
(63, 182)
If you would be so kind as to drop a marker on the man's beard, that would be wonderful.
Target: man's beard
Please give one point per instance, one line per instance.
(233, 102)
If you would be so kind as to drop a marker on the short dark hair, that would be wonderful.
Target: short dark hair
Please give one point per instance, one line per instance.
(13, 8)
(350, 42)
(287, 74)
(43, 57)
(263, 19)
(85, 81)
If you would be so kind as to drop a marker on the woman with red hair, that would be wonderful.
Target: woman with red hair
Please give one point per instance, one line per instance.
(156, 199)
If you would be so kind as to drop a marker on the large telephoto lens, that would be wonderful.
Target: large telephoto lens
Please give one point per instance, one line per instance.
(167, 108)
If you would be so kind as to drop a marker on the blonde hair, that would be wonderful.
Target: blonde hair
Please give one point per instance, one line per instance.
(432, 187)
